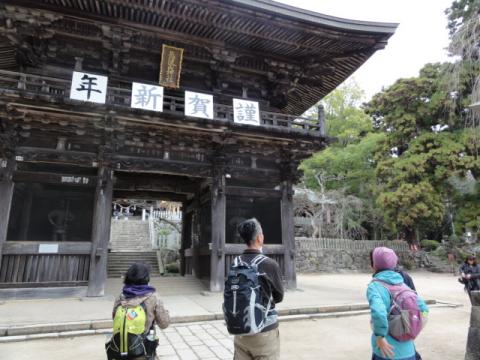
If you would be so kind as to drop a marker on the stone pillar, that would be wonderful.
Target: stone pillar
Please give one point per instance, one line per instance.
(7, 168)
(102, 216)
(473, 342)
(288, 233)
(217, 269)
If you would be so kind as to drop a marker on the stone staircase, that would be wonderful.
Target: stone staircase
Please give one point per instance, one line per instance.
(130, 236)
(119, 262)
(129, 243)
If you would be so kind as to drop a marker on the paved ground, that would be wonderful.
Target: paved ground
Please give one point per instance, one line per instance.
(326, 339)
(314, 290)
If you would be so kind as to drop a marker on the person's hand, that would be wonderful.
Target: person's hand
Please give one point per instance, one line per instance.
(468, 276)
(385, 348)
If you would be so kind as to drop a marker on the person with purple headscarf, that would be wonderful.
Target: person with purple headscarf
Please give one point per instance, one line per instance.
(137, 291)
(384, 346)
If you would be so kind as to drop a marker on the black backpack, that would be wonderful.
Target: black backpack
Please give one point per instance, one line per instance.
(243, 305)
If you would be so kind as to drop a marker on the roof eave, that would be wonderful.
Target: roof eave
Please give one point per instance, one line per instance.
(317, 18)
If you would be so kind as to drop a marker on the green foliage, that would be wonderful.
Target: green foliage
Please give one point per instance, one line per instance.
(353, 163)
(415, 164)
(429, 245)
(407, 263)
(411, 206)
(344, 118)
(409, 107)
(172, 268)
(461, 11)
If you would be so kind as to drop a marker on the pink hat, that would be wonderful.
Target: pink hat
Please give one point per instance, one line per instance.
(384, 258)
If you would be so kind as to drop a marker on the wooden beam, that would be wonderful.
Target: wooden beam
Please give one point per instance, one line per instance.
(32, 247)
(155, 165)
(7, 168)
(44, 155)
(54, 178)
(149, 195)
(217, 270)
(102, 216)
(253, 192)
(151, 182)
(288, 236)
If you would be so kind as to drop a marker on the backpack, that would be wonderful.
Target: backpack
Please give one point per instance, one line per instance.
(128, 333)
(405, 319)
(243, 305)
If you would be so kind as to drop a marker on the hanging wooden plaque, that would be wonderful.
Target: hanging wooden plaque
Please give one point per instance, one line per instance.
(171, 66)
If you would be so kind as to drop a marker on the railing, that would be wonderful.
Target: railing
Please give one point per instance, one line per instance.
(347, 244)
(58, 90)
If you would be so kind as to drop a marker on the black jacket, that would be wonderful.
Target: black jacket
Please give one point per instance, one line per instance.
(407, 279)
(472, 284)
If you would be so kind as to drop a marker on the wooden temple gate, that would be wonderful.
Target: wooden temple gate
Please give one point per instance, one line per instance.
(62, 160)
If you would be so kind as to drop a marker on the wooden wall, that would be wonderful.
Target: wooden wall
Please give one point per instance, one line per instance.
(23, 266)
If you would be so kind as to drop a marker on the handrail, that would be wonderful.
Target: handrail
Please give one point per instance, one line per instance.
(59, 89)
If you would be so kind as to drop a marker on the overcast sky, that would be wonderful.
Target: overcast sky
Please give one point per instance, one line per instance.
(420, 38)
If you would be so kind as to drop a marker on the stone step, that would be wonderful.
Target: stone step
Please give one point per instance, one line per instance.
(131, 235)
(119, 262)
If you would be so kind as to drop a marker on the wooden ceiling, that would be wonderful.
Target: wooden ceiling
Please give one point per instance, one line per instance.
(288, 57)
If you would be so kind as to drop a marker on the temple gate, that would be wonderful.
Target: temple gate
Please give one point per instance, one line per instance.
(196, 101)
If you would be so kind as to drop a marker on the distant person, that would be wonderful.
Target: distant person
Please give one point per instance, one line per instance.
(253, 287)
(392, 338)
(135, 313)
(470, 275)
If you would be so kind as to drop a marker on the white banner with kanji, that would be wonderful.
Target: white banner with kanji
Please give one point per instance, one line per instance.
(198, 105)
(88, 87)
(147, 97)
(246, 112)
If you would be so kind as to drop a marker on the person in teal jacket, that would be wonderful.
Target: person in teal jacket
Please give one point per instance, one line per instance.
(384, 261)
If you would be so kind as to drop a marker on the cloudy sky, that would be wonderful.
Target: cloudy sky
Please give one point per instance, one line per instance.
(420, 38)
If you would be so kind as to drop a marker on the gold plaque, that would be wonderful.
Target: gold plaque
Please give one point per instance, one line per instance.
(170, 66)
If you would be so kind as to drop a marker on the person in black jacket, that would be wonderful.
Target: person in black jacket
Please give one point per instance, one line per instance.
(470, 274)
(264, 345)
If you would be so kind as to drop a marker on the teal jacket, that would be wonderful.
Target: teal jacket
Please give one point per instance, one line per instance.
(380, 302)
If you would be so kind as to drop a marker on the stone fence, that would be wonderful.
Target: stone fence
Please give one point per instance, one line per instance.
(314, 255)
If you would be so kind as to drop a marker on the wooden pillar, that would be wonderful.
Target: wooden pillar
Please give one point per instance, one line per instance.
(288, 233)
(473, 343)
(219, 202)
(102, 215)
(183, 237)
(195, 230)
(7, 168)
(27, 210)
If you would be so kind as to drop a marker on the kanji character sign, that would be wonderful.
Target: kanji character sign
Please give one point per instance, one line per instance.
(88, 87)
(198, 105)
(147, 97)
(246, 112)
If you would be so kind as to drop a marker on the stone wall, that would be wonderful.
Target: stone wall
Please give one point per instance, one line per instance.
(330, 255)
